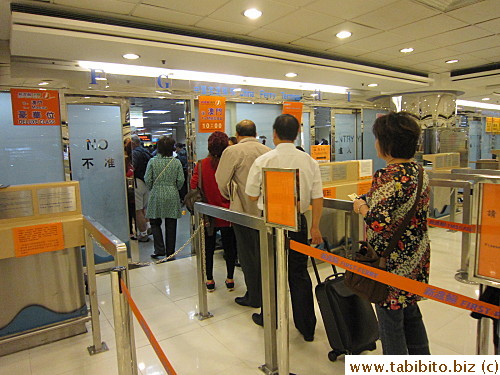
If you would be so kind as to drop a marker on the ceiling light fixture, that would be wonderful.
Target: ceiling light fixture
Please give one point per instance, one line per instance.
(228, 79)
(451, 61)
(43, 83)
(180, 102)
(485, 99)
(252, 13)
(468, 103)
(237, 90)
(291, 75)
(157, 111)
(343, 34)
(372, 84)
(406, 50)
(131, 56)
(168, 122)
(164, 92)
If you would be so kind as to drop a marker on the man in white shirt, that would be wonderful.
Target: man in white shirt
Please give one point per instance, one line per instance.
(285, 155)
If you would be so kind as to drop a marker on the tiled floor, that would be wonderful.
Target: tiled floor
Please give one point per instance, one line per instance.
(229, 342)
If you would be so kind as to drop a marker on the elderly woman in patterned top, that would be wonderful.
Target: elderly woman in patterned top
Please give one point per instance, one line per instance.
(390, 198)
(164, 177)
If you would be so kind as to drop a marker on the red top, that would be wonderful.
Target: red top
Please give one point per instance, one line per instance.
(210, 188)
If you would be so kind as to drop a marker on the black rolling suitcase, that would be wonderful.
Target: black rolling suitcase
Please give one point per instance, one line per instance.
(350, 322)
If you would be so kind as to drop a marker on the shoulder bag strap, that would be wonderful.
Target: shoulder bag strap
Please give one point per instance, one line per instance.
(164, 169)
(408, 217)
(200, 184)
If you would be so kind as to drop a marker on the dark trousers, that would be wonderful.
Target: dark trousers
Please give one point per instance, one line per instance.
(229, 245)
(300, 285)
(248, 243)
(167, 247)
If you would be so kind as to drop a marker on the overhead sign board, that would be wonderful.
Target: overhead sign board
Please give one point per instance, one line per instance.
(211, 113)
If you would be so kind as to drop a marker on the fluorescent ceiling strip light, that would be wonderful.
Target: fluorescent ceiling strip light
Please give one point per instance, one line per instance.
(468, 103)
(187, 75)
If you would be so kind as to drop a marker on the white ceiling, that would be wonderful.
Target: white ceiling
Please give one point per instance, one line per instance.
(380, 28)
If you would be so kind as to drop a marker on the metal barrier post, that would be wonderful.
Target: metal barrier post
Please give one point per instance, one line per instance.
(268, 271)
(283, 308)
(453, 205)
(203, 312)
(99, 346)
(125, 348)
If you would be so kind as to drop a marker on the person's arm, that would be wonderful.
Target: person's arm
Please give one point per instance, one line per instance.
(180, 174)
(194, 178)
(317, 210)
(224, 173)
(254, 182)
(148, 176)
(360, 207)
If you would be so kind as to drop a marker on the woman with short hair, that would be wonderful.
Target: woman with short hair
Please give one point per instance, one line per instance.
(390, 198)
(164, 177)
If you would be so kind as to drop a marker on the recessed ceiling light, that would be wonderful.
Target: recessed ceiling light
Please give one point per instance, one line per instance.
(163, 92)
(291, 75)
(372, 84)
(451, 61)
(252, 13)
(406, 50)
(168, 122)
(179, 102)
(157, 111)
(86, 97)
(101, 79)
(131, 56)
(237, 90)
(485, 99)
(343, 34)
(43, 83)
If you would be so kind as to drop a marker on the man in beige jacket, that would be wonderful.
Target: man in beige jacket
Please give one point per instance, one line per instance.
(231, 177)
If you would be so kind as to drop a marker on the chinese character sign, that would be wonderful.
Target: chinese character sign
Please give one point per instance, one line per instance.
(35, 107)
(489, 240)
(211, 113)
(294, 109)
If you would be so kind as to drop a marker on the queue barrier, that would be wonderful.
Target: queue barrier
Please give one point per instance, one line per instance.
(400, 282)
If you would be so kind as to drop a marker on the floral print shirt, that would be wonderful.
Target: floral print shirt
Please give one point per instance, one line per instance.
(391, 196)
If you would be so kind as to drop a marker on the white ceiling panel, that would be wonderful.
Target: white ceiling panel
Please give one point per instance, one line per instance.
(347, 9)
(457, 36)
(165, 16)
(480, 12)
(465, 61)
(347, 50)
(199, 8)
(378, 41)
(111, 6)
(435, 54)
(223, 26)
(374, 56)
(358, 32)
(478, 44)
(493, 25)
(424, 67)
(418, 46)
(312, 44)
(488, 53)
(430, 26)
(296, 3)
(272, 36)
(303, 22)
(395, 15)
(233, 11)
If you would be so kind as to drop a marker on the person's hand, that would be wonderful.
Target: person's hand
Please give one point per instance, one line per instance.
(357, 205)
(317, 238)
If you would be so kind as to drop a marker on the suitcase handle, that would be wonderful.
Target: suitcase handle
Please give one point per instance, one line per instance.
(315, 267)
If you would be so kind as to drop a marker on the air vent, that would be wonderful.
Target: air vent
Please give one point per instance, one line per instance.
(447, 5)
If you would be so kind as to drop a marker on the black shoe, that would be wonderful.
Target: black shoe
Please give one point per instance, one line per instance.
(258, 319)
(243, 301)
(157, 256)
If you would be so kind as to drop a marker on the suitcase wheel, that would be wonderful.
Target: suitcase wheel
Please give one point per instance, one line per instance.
(332, 356)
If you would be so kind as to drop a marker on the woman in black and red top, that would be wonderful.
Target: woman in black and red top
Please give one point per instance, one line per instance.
(217, 143)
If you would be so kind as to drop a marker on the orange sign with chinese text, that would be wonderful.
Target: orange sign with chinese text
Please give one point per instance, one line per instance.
(36, 239)
(294, 109)
(320, 152)
(280, 201)
(35, 107)
(489, 244)
(364, 187)
(211, 114)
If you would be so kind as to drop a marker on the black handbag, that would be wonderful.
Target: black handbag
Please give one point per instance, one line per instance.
(375, 291)
(196, 194)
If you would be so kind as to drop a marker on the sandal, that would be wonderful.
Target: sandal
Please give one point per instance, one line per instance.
(230, 284)
(210, 285)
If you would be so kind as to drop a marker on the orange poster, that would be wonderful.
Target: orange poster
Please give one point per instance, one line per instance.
(496, 125)
(364, 187)
(489, 124)
(320, 152)
(281, 208)
(294, 109)
(36, 239)
(35, 107)
(211, 113)
(330, 192)
(489, 243)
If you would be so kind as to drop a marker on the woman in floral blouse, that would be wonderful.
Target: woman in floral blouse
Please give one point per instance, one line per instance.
(164, 177)
(391, 196)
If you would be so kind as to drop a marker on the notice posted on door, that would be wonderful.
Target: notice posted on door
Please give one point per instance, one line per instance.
(36, 239)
